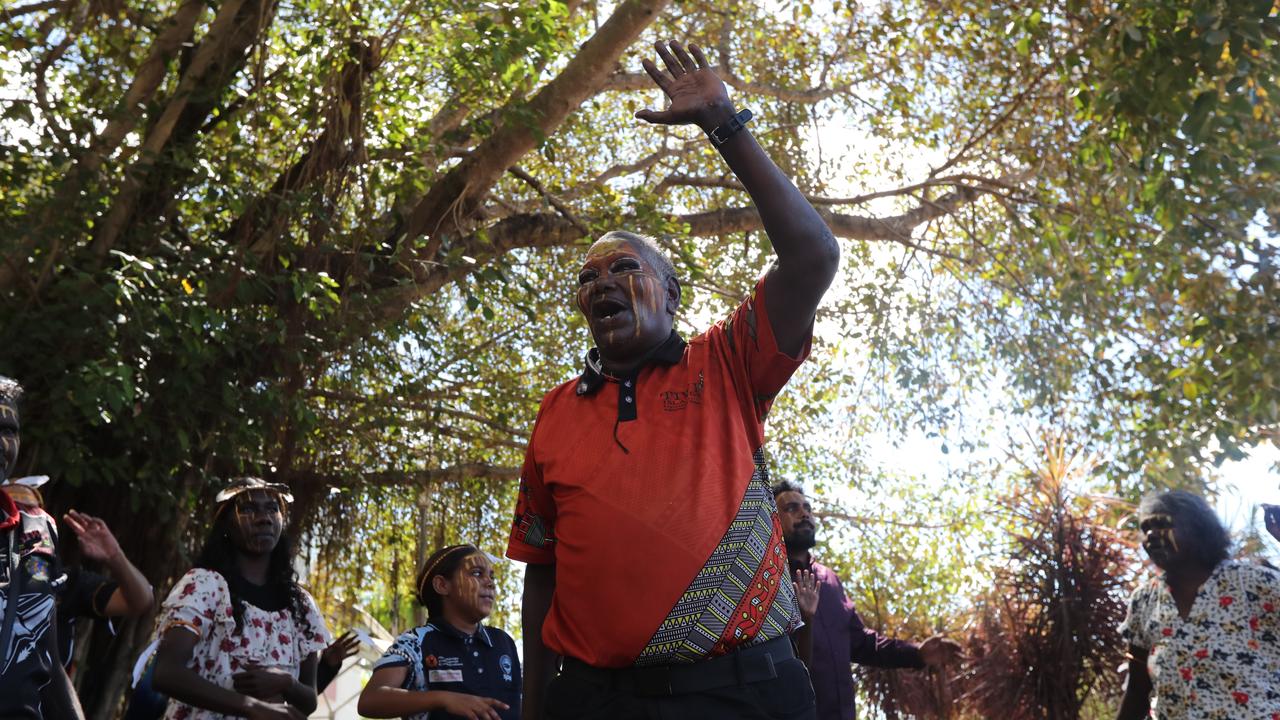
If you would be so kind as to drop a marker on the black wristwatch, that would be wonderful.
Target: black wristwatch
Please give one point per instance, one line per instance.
(721, 134)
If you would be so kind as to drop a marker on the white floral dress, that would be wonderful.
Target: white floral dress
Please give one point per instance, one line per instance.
(1223, 661)
(201, 603)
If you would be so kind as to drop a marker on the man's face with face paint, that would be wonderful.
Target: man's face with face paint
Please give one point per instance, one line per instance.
(1160, 539)
(471, 590)
(257, 519)
(796, 515)
(9, 443)
(626, 302)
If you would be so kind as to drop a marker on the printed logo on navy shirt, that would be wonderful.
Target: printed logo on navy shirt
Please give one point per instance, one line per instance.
(504, 663)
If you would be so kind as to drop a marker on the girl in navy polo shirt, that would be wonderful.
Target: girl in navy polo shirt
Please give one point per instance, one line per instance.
(454, 666)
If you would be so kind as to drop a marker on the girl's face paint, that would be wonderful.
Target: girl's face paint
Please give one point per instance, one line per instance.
(623, 299)
(256, 522)
(470, 593)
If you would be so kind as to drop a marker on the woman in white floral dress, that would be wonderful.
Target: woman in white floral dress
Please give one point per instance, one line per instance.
(238, 635)
(1204, 638)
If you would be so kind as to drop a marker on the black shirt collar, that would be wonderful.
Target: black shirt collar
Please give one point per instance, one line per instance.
(447, 629)
(593, 376)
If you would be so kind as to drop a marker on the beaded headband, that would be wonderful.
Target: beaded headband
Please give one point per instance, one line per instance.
(426, 574)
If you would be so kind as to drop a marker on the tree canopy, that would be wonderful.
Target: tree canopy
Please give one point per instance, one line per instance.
(333, 243)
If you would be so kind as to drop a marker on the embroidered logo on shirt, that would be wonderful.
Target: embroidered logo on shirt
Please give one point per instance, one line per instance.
(673, 400)
(444, 676)
(504, 663)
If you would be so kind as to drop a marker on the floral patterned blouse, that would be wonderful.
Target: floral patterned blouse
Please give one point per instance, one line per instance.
(201, 603)
(1223, 661)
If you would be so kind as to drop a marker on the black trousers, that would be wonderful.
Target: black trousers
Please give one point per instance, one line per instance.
(764, 682)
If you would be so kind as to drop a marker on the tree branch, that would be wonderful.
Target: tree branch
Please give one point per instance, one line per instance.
(19, 11)
(640, 82)
(550, 197)
(413, 478)
(221, 52)
(455, 197)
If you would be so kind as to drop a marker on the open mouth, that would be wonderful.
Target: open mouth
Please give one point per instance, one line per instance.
(606, 308)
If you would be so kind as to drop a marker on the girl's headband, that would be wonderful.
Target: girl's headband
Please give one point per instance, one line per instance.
(426, 574)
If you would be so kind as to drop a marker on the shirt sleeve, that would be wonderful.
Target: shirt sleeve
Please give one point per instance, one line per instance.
(1264, 591)
(1133, 629)
(868, 647)
(405, 652)
(198, 602)
(754, 347)
(313, 635)
(532, 538)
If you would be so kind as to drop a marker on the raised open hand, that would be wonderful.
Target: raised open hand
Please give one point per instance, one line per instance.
(697, 96)
(340, 649)
(96, 540)
(806, 586)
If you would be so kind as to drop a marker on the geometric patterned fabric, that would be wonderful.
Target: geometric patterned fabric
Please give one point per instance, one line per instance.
(743, 594)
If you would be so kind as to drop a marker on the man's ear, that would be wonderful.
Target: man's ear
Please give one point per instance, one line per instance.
(441, 585)
(673, 295)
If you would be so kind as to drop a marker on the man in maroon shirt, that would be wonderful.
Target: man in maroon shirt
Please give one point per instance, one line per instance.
(839, 637)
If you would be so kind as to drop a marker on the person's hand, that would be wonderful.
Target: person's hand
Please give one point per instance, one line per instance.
(262, 683)
(96, 540)
(806, 585)
(340, 649)
(472, 707)
(273, 711)
(697, 96)
(1271, 516)
(938, 651)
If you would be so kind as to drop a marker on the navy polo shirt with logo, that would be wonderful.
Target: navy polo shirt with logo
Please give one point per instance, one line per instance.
(438, 656)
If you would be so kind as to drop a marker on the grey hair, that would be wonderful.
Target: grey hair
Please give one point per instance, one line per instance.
(10, 390)
(1193, 515)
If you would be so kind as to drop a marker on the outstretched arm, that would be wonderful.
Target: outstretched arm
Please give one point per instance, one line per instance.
(134, 596)
(808, 255)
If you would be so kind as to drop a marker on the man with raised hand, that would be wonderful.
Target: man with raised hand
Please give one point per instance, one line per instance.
(656, 565)
(126, 593)
(837, 636)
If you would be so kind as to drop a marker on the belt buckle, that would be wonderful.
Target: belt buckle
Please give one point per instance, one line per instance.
(655, 680)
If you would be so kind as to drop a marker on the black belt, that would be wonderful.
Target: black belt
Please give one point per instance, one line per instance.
(750, 664)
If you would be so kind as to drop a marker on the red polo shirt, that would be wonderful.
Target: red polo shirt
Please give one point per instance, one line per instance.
(644, 493)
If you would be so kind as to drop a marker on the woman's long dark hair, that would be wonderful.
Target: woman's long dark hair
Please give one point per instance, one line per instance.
(219, 555)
